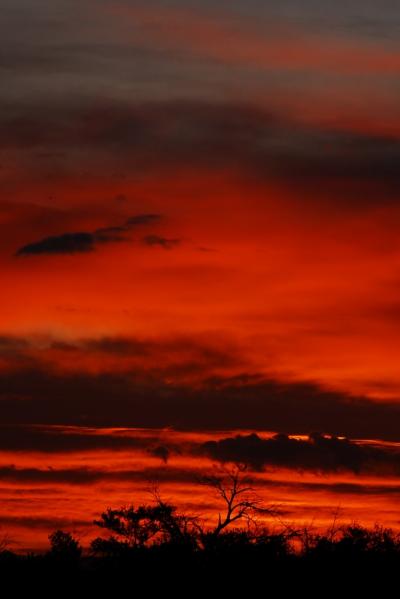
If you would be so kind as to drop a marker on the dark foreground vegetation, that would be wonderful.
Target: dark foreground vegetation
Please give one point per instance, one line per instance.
(155, 544)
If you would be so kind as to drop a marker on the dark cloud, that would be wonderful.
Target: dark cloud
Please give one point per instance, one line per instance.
(66, 440)
(110, 234)
(161, 451)
(143, 219)
(90, 476)
(39, 522)
(124, 346)
(352, 488)
(156, 240)
(63, 346)
(72, 243)
(68, 243)
(200, 356)
(157, 397)
(76, 476)
(327, 485)
(322, 453)
(154, 128)
(258, 142)
(318, 453)
(119, 233)
(11, 344)
(174, 382)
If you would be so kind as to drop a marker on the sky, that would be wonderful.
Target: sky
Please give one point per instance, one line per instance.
(199, 215)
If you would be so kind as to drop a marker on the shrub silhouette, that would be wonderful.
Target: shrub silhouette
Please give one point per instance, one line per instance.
(64, 548)
(136, 528)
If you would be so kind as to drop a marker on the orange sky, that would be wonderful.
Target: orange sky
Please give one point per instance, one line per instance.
(199, 214)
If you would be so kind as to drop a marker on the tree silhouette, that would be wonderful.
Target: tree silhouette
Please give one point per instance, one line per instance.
(239, 497)
(137, 528)
(64, 547)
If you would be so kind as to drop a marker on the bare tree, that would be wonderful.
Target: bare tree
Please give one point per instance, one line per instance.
(241, 501)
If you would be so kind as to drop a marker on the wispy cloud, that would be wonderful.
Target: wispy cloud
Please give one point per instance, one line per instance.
(81, 242)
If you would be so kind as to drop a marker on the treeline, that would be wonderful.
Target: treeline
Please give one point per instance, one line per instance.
(158, 540)
(175, 552)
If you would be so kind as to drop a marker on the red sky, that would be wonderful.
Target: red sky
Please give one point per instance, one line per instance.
(199, 214)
